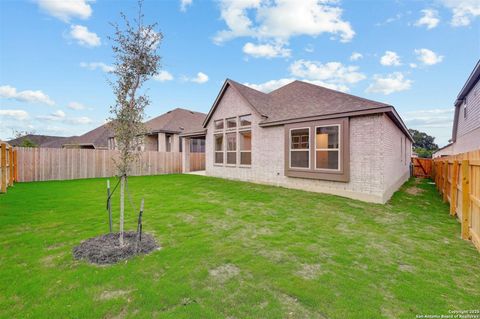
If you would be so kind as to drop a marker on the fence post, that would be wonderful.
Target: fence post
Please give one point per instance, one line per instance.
(445, 181)
(453, 191)
(465, 200)
(3, 167)
(15, 163)
(10, 166)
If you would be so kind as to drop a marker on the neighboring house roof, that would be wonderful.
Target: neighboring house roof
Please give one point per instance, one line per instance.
(300, 101)
(98, 137)
(176, 121)
(467, 87)
(40, 140)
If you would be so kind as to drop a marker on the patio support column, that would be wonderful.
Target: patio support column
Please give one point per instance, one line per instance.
(186, 155)
(162, 142)
(175, 143)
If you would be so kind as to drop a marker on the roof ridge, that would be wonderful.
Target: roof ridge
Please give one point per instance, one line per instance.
(334, 91)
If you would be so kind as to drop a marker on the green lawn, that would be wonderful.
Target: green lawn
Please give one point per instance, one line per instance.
(235, 250)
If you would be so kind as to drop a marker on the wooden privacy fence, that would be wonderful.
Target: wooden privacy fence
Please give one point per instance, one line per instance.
(8, 167)
(45, 164)
(197, 161)
(422, 167)
(458, 180)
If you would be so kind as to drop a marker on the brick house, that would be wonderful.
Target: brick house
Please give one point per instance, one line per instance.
(307, 137)
(466, 121)
(163, 132)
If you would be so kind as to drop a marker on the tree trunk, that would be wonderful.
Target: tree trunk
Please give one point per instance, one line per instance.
(122, 207)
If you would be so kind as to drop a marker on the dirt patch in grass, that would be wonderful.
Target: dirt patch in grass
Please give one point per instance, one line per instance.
(113, 294)
(106, 249)
(224, 272)
(414, 191)
(309, 271)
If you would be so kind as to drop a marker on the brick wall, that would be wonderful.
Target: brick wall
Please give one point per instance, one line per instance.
(369, 144)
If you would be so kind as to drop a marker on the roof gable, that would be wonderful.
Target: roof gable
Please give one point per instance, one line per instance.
(299, 101)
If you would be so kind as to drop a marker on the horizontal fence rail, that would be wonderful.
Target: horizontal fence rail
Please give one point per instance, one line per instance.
(457, 178)
(45, 164)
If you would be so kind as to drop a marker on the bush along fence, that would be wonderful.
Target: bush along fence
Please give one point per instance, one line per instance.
(44, 164)
(458, 180)
(8, 167)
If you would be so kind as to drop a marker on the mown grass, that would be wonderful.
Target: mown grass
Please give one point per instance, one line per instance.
(235, 250)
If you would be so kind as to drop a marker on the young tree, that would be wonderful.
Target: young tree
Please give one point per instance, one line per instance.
(136, 61)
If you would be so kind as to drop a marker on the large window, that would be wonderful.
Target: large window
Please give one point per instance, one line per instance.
(231, 148)
(318, 150)
(327, 147)
(245, 148)
(233, 142)
(219, 125)
(245, 120)
(300, 148)
(231, 123)
(219, 149)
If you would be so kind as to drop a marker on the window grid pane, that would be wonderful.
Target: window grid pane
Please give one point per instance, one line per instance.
(231, 122)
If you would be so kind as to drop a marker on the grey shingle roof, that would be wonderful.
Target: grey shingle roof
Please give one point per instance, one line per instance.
(301, 99)
(97, 137)
(177, 120)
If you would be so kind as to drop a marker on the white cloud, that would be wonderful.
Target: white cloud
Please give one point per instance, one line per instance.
(390, 58)
(66, 9)
(397, 17)
(309, 48)
(356, 56)
(61, 116)
(332, 75)
(184, 4)
(413, 65)
(271, 85)
(76, 106)
(200, 78)
(97, 65)
(266, 50)
(331, 72)
(30, 96)
(163, 76)
(280, 20)
(390, 83)
(464, 11)
(429, 19)
(84, 37)
(428, 57)
(435, 122)
(18, 115)
(82, 120)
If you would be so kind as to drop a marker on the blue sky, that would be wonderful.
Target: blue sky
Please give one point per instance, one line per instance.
(416, 55)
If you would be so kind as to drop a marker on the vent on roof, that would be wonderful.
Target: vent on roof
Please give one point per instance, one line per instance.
(182, 128)
(192, 112)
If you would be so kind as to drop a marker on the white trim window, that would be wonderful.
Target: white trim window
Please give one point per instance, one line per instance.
(299, 147)
(245, 148)
(231, 141)
(218, 125)
(218, 149)
(245, 120)
(327, 147)
(231, 123)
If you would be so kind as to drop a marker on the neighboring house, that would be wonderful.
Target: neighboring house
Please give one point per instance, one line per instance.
(164, 131)
(308, 137)
(40, 140)
(466, 121)
(94, 139)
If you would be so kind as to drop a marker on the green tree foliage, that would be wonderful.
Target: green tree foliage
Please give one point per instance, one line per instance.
(424, 144)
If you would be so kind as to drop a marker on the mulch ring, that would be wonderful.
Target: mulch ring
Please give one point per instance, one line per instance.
(106, 249)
